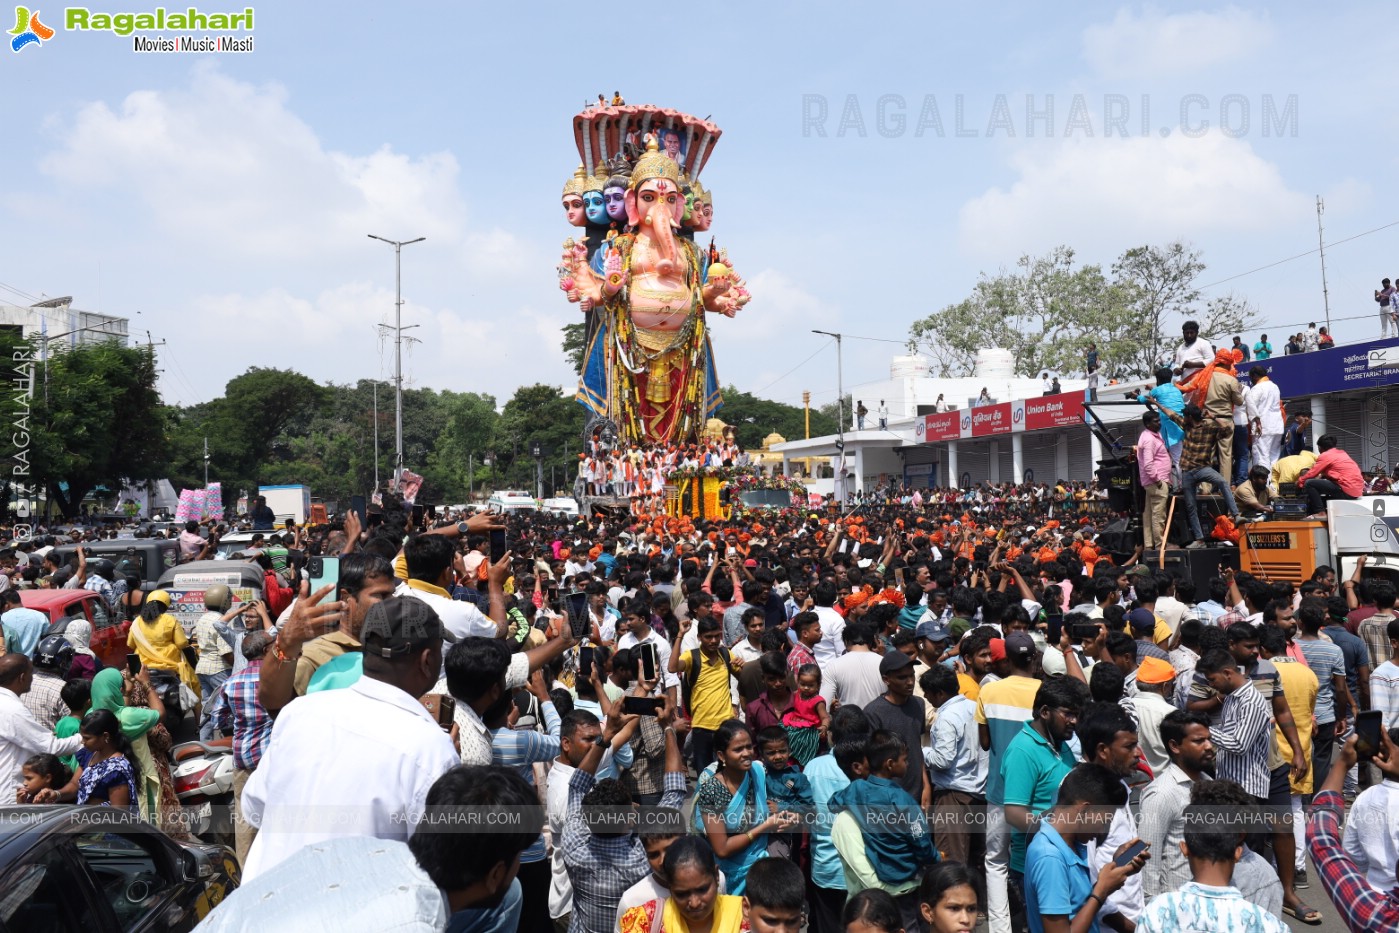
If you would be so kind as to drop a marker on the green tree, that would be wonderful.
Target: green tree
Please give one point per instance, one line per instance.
(253, 424)
(95, 420)
(545, 415)
(1044, 314)
(573, 348)
(831, 412)
(1160, 282)
(1049, 309)
(753, 419)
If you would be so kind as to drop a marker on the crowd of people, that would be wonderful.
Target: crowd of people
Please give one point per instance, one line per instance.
(639, 472)
(901, 718)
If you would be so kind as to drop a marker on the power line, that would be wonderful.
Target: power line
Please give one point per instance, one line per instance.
(794, 368)
(1298, 256)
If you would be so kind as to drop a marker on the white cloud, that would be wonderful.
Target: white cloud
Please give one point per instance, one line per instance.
(1149, 43)
(1105, 194)
(227, 166)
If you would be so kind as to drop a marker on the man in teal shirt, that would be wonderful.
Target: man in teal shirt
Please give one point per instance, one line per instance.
(1172, 434)
(1262, 350)
(1036, 762)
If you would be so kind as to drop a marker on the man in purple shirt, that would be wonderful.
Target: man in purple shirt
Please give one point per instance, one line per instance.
(1154, 470)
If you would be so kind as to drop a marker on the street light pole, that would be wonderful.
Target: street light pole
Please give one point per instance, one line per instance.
(398, 346)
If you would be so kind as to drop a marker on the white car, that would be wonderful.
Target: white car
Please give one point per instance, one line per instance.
(564, 506)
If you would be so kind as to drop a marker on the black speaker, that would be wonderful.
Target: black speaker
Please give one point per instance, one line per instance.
(1120, 537)
(1197, 565)
(1120, 481)
(1210, 507)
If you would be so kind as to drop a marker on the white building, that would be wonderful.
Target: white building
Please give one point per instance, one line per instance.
(61, 324)
(1023, 435)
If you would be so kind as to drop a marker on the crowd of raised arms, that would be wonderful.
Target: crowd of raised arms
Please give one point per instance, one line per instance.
(936, 707)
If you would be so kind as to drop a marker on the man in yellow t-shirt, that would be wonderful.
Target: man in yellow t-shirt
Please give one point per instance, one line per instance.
(708, 690)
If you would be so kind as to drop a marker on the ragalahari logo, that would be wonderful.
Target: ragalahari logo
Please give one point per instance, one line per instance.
(28, 30)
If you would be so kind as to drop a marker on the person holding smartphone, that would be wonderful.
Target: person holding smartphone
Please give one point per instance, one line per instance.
(640, 638)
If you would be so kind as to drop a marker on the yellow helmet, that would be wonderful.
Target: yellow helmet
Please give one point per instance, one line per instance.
(158, 596)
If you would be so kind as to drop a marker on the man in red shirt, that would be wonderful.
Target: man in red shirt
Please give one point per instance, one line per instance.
(1334, 476)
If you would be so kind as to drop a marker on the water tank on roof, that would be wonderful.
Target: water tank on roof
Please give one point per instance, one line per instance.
(995, 364)
(904, 366)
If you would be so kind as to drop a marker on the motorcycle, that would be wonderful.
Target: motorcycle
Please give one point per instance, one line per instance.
(203, 776)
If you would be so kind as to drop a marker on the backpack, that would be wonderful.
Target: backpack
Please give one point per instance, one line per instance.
(691, 677)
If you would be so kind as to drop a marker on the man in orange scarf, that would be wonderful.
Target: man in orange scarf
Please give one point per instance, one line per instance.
(1216, 391)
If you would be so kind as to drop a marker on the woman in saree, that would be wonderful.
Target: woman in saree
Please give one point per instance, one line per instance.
(139, 710)
(731, 805)
(695, 904)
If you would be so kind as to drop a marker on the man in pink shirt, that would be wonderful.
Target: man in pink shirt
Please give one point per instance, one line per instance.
(1154, 469)
(1334, 476)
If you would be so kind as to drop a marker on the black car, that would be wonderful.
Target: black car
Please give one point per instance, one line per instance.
(95, 869)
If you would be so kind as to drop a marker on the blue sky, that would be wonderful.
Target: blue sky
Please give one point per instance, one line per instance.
(222, 201)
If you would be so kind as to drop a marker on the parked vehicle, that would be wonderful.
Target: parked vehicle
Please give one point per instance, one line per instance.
(61, 606)
(235, 541)
(101, 870)
(563, 506)
(203, 776)
(186, 585)
(512, 500)
(147, 558)
(288, 502)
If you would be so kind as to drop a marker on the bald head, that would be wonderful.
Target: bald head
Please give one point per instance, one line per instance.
(13, 668)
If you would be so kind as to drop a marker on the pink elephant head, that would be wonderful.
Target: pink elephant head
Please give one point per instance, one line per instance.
(655, 209)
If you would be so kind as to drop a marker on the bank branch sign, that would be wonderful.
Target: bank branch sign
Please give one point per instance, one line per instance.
(162, 29)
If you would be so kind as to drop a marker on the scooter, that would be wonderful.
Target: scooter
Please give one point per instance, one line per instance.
(203, 776)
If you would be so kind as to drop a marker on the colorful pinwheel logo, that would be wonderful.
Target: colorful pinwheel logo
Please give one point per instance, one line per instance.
(28, 30)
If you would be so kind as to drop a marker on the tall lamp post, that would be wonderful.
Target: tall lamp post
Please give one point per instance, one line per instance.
(840, 490)
(537, 452)
(397, 345)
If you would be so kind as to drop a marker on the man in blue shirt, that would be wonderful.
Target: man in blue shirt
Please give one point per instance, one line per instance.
(23, 627)
(1061, 894)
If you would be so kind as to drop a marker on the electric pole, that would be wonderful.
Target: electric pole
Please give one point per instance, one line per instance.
(1321, 243)
(398, 330)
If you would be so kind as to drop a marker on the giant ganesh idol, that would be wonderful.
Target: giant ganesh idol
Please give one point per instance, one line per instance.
(636, 272)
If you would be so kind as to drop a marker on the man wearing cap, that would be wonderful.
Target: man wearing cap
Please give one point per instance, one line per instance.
(357, 761)
(856, 677)
(1156, 680)
(898, 710)
(1002, 710)
(930, 641)
(1142, 624)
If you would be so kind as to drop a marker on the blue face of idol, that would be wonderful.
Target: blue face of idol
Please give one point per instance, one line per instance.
(595, 207)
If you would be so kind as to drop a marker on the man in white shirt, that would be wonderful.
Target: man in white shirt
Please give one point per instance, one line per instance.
(1264, 405)
(831, 645)
(21, 737)
(639, 632)
(357, 761)
(749, 647)
(1193, 354)
(429, 559)
(853, 679)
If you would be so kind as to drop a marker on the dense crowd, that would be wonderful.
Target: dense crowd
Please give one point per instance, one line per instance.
(899, 717)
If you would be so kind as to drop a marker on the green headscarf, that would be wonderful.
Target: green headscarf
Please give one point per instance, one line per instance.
(106, 694)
